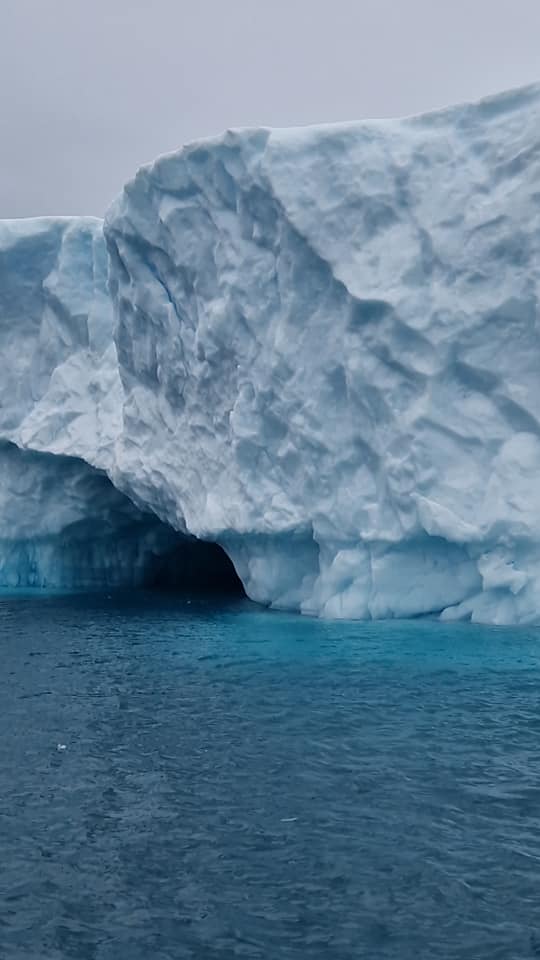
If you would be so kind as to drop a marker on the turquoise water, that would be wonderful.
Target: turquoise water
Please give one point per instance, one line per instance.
(237, 783)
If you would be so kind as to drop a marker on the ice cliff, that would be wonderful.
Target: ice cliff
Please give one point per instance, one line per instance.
(62, 522)
(326, 353)
(60, 390)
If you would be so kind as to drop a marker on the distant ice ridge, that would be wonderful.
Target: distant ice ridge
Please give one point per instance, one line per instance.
(328, 341)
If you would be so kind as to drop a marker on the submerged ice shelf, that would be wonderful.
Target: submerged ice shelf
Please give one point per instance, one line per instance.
(320, 350)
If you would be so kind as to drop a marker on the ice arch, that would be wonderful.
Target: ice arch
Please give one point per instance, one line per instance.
(64, 526)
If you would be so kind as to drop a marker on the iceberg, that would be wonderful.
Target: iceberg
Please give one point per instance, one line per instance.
(317, 348)
(63, 525)
(328, 341)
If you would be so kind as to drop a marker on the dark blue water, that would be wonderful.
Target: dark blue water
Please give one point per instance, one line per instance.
(237, 783)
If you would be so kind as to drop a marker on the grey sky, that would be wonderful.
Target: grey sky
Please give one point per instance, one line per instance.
(90, 89)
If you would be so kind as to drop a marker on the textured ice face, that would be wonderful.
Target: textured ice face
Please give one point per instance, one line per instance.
(60, 390)
(324, 354)
(328, 342)
(62, 523)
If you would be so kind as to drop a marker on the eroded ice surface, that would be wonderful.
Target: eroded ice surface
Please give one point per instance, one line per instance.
(60, 391)
(62, 523)
(323, 354)
(64, 526)
(328, 341)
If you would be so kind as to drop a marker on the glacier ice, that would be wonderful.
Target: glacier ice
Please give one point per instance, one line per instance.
(62, 522)
(321, 353)
(60, 391)
(329, 348)
(63, 525)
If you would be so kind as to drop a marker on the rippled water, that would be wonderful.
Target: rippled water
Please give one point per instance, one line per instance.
(238, 783)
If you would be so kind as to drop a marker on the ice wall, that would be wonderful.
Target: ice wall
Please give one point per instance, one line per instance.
(321, 351)
(60, 391)
(329, 349)
(63, 525)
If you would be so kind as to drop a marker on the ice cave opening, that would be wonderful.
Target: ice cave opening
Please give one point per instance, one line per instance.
(64, 526)
(197, 567)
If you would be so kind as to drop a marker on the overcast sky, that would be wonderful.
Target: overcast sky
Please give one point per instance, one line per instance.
(90, 89)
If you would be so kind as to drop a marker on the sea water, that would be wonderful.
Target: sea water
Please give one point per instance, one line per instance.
(206, 779)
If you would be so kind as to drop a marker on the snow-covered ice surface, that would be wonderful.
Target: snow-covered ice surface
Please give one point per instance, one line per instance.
(329, 347)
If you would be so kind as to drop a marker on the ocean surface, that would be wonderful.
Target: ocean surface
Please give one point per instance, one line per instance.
(210, 780)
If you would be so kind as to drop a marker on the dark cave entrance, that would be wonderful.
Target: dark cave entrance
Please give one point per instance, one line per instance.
(90, 536)
(195, 567)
